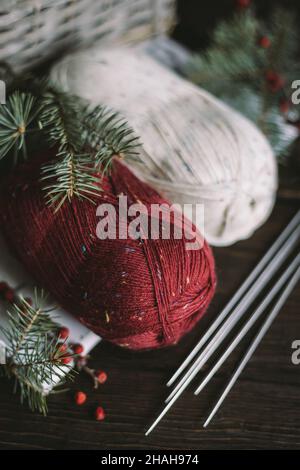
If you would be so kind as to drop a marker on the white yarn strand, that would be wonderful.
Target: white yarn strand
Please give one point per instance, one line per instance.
(197, 150)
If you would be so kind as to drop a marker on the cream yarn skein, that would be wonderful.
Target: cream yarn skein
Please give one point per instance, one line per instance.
(196, 149)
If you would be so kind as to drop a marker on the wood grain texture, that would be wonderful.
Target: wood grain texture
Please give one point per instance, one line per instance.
(261, 412)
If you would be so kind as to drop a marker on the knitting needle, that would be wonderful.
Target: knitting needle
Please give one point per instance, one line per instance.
(266, 275)
(278, 259)
(238, 295)
(238, 312)
(254, 317)
(255, 344)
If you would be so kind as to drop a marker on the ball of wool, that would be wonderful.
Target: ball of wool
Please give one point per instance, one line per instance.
(196, 148)
(137, 293)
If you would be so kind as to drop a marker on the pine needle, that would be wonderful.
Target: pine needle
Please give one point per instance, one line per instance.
(84, 139)
(16, 118)
(33, 353)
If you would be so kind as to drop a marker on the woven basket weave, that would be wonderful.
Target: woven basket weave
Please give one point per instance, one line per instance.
(33, 31)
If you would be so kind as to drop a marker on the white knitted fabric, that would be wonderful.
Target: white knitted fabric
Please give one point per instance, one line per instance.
(195, 148)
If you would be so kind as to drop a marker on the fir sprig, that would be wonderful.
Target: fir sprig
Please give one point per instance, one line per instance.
(72, 173)
(16, 118)
(84, 140)
(232, 55)
(69, 176)
(108, 134)
(235, 68)
(34, 354)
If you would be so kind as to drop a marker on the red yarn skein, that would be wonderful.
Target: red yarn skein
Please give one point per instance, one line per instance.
(136, 293)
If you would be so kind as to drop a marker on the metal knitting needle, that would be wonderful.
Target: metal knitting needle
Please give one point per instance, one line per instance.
(254, 317)
(238, 312)
(238, 295)
(287, 291)
(279, 258)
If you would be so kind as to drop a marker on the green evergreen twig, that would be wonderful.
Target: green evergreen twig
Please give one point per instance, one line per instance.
(34, 354)
(72, 174)
(234, 68)
(84, 140)
(16, 118)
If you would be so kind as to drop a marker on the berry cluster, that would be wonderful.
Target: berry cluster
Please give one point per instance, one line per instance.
(81, 398)
(75, 352)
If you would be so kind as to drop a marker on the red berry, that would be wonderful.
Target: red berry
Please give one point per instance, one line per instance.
(284, 105)
(243, 3)
(64, 333)
(66, 359)
(270, 75)
(101, 376)
(264, 42)
(9, 295)
(80, 398)
(278, 85)
(274, 80)
(3, 287)
(99, 413)
(77, 348)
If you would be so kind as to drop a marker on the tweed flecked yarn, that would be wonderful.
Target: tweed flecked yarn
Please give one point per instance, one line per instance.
(196, 149)
(136, 293)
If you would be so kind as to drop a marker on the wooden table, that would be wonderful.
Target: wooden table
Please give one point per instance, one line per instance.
(261, 412)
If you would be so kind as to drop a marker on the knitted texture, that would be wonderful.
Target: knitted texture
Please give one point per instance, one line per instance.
(136, 293)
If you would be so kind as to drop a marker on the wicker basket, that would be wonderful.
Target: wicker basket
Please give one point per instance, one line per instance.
(33, 31)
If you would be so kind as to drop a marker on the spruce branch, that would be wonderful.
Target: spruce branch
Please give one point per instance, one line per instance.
(34, 354)
(108, 134)
(284, 41)
(232, 55)
(84, 139)
(72, 174)
(16, 118)
(235, 68)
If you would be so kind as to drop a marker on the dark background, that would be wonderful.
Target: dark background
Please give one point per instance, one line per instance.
(263, 409)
